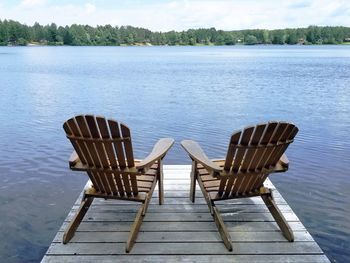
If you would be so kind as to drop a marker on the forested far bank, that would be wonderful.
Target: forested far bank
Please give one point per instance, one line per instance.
(15, 33)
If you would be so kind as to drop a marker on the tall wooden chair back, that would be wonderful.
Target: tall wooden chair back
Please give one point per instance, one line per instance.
(252, 154)
(105, 150)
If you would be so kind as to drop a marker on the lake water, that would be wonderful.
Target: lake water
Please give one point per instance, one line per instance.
(201, 93)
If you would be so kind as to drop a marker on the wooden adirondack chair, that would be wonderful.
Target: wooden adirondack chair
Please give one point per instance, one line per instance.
(103, 149)
(252, 155)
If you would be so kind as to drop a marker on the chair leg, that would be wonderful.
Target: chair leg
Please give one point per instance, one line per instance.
(135, 229)
(193, 181)
(225, 235)
(278, 216)
(160, 183)
(78, 217)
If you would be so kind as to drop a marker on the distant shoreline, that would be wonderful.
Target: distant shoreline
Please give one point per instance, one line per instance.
(14, 33)
(151, 45)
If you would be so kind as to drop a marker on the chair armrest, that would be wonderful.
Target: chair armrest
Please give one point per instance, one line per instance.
(281, 165)
(158, 152)
(73, 159)
(197, 154)
(284, 161)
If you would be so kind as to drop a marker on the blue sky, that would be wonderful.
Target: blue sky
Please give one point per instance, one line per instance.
(181, 14)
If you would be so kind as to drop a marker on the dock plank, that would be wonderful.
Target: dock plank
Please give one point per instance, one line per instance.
(180, 226)
(186, 258)
(200, 237)
(180, 231)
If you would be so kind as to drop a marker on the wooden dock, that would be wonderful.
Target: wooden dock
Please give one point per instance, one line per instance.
(180, 231)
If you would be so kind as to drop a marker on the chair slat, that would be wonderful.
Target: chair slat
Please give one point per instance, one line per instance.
(102, 125)
(230, 181)
(94, 161)
(270, 137)
(118, 146)
(127, 145)
(125, 131)
(100, 150)
(118, 179)
(134, 185)
(233, 184)
(75, 144)
(126, 183)
(70, 128)
(284, 148)
(270, 129)
(85, 132)
(257, 142)
(231, 150)
(247, 133)
(282, 136)
(258, 131)
(83, 151)
(256, 137)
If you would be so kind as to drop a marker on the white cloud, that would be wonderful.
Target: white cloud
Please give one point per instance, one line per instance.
(31, 3)
(90, 8)
(184, 14)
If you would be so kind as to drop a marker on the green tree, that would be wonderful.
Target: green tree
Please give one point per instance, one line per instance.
(265, 37)
(51, 32)
(250, 40)
(38, 33)
(67, 38)
(278, 37)
(292, 38)
(3, 33)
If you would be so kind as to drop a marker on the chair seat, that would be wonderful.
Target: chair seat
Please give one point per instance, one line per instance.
(210, 182)
(146, 180)
(144, 183)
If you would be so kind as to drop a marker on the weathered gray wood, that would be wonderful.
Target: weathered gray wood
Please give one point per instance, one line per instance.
(222, 229)
(181, 208)
(160, 175)
(188, 258)
(193, 182)
(180, 231)
(135, 229)
(280, 218)
(185, 248)
(197, 154)
(185, 200)
(180, 217)
(76, 218)
(190, 236)
(158, 152)
(182, 226)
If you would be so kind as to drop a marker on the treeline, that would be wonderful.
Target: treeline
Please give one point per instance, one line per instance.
(15, 33)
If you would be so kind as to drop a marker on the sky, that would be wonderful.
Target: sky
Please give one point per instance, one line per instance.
(166, 15)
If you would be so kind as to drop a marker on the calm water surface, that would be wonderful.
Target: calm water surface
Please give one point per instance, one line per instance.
(203, 93)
